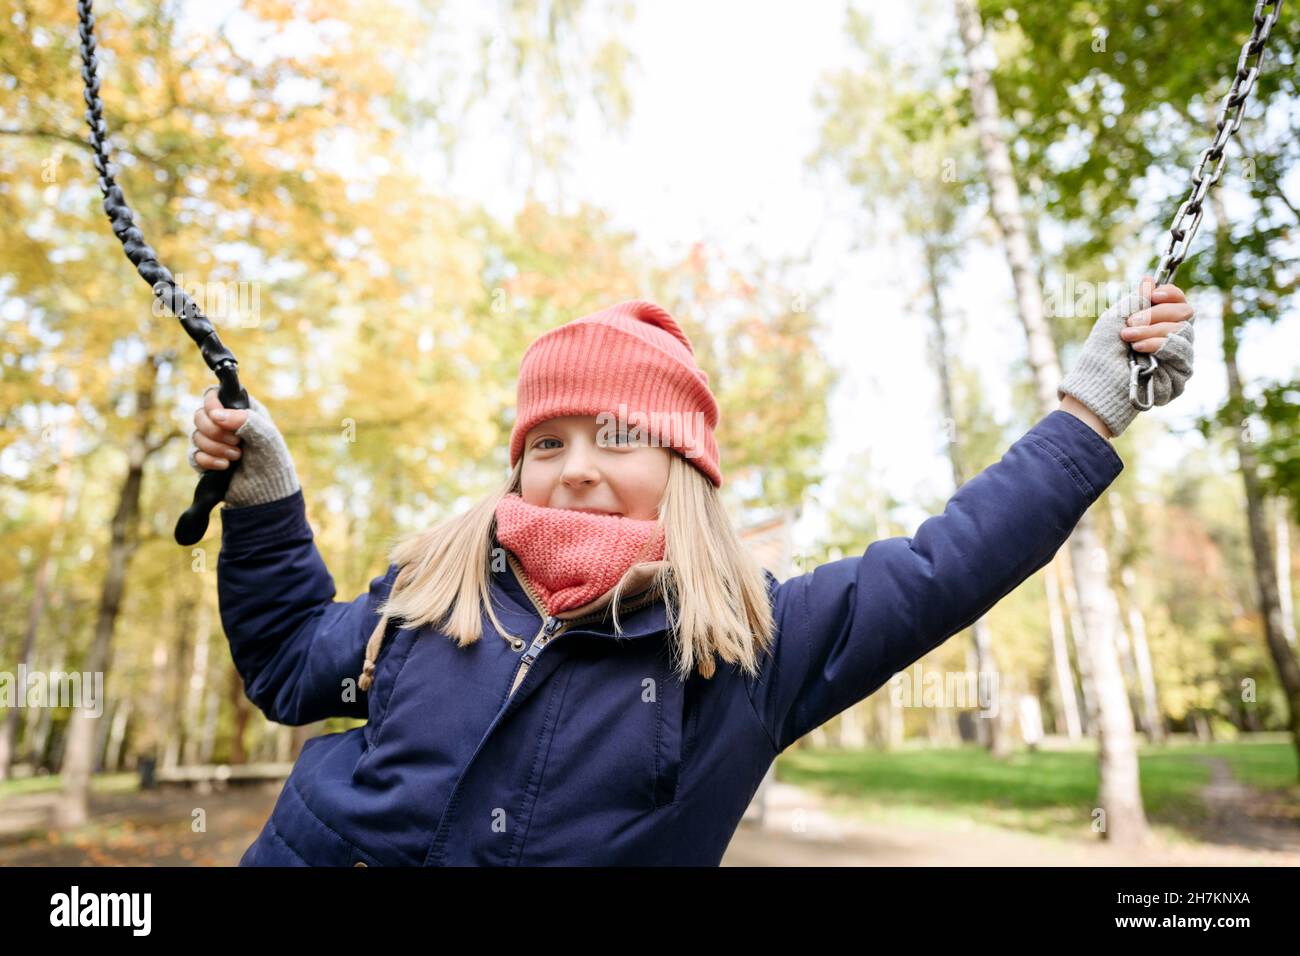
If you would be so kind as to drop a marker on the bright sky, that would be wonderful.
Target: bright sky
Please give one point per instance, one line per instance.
(722, 120)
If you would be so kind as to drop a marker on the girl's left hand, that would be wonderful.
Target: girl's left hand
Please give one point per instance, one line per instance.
(1148, 329)
(1155, 321)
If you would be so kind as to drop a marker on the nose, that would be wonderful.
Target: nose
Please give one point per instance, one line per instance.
(579, 466)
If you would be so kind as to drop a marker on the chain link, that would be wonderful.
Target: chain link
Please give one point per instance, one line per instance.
(1182, 232)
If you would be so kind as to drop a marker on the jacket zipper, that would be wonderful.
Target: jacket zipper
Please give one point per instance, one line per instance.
(552, 627)
(548, 631)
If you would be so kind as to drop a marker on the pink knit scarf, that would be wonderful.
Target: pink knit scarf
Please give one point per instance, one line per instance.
(573, 557)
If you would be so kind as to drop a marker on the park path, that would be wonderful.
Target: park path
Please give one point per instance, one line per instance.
(799, 829)
(1240, 816)
(142, 828)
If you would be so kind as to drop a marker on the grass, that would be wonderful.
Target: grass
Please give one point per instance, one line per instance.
(1048, 792)
(51, 784)
(1267, 761)
(45, 783)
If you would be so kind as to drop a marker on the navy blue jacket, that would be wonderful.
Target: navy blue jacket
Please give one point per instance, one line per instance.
(601, 756)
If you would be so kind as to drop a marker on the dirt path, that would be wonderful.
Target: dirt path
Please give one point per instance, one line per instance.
(145, 828)
(1243, 817)
(799, 829)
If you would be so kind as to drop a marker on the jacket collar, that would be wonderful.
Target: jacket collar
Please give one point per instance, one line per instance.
(644, 620)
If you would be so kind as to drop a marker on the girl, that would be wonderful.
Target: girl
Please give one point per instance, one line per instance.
(587, 667)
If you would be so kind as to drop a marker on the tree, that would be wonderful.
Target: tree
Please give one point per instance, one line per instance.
(893, 128)
(1119, 790)
(1142, 101)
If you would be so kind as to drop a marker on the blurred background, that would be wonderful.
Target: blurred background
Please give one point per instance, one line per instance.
(380, 203)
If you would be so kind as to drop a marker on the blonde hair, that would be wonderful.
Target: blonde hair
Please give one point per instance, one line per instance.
(715, 591)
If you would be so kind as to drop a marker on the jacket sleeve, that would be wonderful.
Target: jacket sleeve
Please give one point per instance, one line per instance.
(845, 628)
(292, 643)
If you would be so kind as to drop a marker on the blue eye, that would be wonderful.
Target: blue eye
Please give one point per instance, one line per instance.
(542, 441)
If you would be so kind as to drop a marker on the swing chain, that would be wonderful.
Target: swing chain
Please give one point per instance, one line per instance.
(1180, 235)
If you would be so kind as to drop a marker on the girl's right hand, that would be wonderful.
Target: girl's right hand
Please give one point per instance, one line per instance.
(223, 436)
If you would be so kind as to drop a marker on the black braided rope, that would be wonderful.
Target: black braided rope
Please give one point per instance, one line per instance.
(213, 484)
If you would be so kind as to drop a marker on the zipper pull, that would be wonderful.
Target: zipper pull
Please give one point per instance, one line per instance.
(548, 629)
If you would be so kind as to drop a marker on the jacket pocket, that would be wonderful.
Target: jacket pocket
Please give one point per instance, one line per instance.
(674, 731)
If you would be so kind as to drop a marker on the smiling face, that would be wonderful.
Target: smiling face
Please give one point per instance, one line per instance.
(565, 465)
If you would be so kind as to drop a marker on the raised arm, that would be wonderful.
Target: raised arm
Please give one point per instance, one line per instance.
(847, 626)
(292, 643)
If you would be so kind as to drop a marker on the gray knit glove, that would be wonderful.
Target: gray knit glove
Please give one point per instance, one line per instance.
(1100, 375)
(265, 471)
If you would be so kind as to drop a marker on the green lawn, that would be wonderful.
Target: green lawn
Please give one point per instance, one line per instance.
(101, 783)
(1047, 792)
(1267, 763)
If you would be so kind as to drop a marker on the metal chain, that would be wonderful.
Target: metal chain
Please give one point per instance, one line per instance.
(1180, 235)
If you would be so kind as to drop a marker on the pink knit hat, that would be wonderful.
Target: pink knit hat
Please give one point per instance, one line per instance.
(631, 361)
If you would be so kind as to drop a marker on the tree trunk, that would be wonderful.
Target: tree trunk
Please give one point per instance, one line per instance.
(993, 736)
(175, 730)
(79, 753)
(10, 726)
(1067, 702)
(1201, 726)
(887, 722)
(284, 743)
(1119, 794)
(211, 713)
(1128, 670)
(853, 728)
(896, 729)
(39, 744)
(61, 507)
(1145, 679)
(239, 704)
(117, 736)
(1284, 659)
(197, 687)
(1282, 524)
(149, 742)
(1077, 636)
